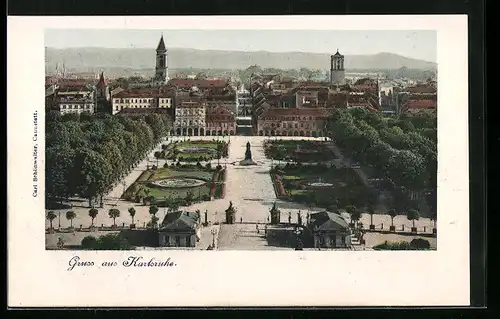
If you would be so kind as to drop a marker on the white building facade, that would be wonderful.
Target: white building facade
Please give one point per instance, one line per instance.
(140, 99)
(75, 101)
(337, 71)
(190, 118)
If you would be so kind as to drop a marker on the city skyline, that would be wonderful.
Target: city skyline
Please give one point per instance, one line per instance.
(421, 44)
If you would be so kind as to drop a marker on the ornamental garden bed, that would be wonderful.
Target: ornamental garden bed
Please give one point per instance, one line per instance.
(194, 151)
(175, 183)
(298, 151)
(319, 185)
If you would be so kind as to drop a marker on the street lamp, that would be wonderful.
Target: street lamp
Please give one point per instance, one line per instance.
(213, 231)
(317, 243)
(298, 245)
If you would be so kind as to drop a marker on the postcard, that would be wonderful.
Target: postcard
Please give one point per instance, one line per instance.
(257, 161)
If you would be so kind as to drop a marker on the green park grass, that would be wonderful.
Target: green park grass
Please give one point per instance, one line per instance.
(192, 155)
(142, 187)
(346, 187)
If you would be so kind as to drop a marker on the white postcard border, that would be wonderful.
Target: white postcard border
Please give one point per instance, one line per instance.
(37, 277)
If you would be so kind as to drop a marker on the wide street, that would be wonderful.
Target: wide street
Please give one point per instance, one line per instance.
(249, 188)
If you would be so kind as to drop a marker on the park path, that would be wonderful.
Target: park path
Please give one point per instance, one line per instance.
(348, 163)
(249, 188)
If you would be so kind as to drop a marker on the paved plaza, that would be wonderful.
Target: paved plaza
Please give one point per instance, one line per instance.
(249, 188)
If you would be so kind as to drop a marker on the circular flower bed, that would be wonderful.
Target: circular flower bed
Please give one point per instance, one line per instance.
(305, 184)
(200, 150)
(320, 184)
(178, 182)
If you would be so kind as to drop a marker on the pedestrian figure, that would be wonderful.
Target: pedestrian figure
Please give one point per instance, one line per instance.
(241, 220)
(257, 227)
(60, 243)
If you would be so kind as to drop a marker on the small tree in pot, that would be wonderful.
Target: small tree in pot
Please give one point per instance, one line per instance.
(351, 209)
(131, 211)
(433, 217)
(51, 216)
(114, 213)
(393, 213)
(412, 214)
(70, 216)
(154, 220)
(93, 214)
(371, 212)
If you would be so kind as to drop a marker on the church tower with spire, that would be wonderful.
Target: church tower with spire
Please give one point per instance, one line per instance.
(102, 95)
(161, 70)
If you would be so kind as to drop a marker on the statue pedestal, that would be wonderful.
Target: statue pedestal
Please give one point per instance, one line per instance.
(247, 162)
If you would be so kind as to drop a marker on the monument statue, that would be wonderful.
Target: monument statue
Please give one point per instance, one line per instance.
(248, 157)
(248, 152)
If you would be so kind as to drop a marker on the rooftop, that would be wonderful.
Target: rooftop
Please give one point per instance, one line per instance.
(328, 221)
(143, 93)
(180, 220)
(423, 88)
(202, 84)
(144, 110)
(420, 104)
(296, 111)
(161, 45)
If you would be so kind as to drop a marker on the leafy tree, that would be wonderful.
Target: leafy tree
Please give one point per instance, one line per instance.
(90, 243)
(412, 214)
(153, 209)
(113, 242)
(420, 244)
(112, 154)
(173, 206)
(189, 198)
(353, 212)
(70, 215)
(371, 212)
(407, 170)
(356, 216)
(392, 213)
(59, 181)
(131, 211)
(154, 222)
(51, 215)
(94, 174)
(157, 156)
(93, 214)
(220, 149)
(114, 214)
(433, 217)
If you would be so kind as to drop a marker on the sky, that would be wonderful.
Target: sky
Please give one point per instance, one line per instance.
(420, 44)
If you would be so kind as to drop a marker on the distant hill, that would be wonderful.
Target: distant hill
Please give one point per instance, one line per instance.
(89, 59)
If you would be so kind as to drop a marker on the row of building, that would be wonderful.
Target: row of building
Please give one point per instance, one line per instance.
(197, 107)
(272, 105)
(320, 230)
(282, 106)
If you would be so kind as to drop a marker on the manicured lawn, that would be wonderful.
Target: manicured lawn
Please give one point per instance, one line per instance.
(207, 150)
(346, 188)
(302, 151)
(160, 193)
(143, 187)
(206, 144)
(171, 172)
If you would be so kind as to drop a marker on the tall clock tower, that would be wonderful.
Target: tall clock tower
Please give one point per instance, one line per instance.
(161, 70)
(337, 71)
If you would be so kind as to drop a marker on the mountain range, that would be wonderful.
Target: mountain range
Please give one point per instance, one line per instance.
(92, 58)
